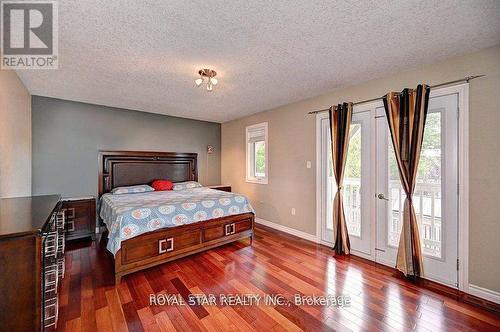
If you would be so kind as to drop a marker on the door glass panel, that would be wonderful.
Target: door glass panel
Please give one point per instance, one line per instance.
(427, 196)
(352, 183)
(331, 185)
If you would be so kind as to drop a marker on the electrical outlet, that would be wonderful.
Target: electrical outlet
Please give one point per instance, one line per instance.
(293, 211)
(308, 164)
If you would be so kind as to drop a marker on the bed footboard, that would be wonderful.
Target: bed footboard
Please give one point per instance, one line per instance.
(168, 244)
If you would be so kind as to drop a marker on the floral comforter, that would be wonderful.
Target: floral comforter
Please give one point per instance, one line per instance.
(130, 215)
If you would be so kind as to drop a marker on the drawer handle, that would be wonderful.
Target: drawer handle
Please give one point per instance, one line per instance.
(229, 229)
(70, 213)
(162, 248)
(70, 219)
(60, 220)
(170, 242)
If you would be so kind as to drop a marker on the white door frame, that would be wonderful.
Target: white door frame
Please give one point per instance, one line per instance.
(463, 185)
(463, 177)
(319, 175)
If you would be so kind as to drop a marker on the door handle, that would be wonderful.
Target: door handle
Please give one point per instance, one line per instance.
(381, 196)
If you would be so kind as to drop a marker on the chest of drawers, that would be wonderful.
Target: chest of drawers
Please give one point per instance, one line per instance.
(32, 262)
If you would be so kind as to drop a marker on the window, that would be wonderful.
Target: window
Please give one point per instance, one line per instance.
(257, 147)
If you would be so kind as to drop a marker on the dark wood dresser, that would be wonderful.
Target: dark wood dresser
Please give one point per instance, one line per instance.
(80, 217)
(30, 257)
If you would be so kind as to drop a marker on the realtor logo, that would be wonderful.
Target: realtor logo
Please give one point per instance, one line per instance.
(29, 35)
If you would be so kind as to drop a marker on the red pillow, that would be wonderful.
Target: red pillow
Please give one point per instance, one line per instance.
(162, 185)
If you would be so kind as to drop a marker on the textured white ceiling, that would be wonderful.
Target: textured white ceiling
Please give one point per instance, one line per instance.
(144, 55)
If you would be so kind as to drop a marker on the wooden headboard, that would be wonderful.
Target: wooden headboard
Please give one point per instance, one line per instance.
(128, 168)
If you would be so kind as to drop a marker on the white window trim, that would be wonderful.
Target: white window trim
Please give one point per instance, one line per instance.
(249, 178)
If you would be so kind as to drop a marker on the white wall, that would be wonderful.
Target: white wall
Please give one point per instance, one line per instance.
(15, 136)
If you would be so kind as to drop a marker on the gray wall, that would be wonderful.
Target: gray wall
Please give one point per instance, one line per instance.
(67, 135)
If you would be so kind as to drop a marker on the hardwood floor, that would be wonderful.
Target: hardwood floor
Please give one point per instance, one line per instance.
(276, 263)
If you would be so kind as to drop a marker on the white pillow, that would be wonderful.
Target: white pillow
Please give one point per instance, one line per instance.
(143, 188)
(186, 185)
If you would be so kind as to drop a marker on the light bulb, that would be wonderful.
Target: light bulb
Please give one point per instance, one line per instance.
(209, 86)
(198, 81)
(214, 80)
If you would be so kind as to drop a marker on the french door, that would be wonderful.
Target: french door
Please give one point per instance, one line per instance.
(356, 192)
(435, 198)
(373, 197)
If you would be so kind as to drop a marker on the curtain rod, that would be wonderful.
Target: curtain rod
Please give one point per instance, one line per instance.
(465, 79)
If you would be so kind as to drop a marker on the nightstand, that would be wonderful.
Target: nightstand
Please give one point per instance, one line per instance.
(80, 217)
(221, 187)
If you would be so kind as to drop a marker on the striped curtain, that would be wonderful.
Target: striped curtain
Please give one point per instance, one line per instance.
(406, 114)
(340, 121)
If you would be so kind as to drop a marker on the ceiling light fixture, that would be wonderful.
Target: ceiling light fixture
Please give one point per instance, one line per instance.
(209, 75)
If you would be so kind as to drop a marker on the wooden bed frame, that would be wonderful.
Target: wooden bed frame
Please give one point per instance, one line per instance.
(126, 168)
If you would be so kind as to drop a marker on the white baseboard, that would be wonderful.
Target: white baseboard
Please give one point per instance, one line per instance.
(484, 293)
(291, 231)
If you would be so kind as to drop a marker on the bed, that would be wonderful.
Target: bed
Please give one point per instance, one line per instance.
(148, 229)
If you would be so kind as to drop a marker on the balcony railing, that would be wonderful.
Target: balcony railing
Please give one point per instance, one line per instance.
(427, 203)
(352, 202)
